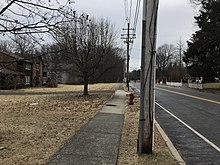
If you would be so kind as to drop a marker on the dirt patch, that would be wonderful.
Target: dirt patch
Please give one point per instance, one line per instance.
(33, 127)
(128, 147)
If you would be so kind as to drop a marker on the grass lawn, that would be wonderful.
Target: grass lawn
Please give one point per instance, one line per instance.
(36, 122)
(211, 86)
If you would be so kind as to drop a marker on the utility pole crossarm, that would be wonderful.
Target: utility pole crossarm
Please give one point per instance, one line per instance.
(128, 37)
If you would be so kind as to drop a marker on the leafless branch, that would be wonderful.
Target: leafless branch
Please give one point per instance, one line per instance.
(6, 7)
(33, 16)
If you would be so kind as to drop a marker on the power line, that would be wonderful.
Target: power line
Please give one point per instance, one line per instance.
(126, 9)
(129, 7)
(130, 10)
(137, 9)
(128, 37)
(135, 18)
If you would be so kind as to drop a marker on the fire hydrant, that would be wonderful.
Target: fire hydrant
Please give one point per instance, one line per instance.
(131, 98)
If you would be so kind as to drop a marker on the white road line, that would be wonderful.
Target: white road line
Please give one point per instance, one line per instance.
(197, 133)
(187, 95)
(193, 130)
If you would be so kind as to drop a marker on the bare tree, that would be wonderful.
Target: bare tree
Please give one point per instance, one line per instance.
(23, 46)
(90, 45)
(180, 49)
(94, 51)
(6, 45)
(22, 20)
(195, 2)
(20, 46)
(169, 62)
(27, 21)
(32, 16)
(55, 62)
(165, 54)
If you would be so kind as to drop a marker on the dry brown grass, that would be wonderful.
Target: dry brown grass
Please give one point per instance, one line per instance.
(128, 147)
(34, 126)
(211, 86)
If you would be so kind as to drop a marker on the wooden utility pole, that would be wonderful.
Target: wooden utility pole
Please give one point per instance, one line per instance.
(128, 55)
(180, 47)
(128, 39)
(148, 64)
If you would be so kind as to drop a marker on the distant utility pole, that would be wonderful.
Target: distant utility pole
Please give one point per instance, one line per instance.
(128, 39)
(148, 63)
(180, 47)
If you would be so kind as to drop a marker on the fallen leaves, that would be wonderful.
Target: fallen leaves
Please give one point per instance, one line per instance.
(128, 145)
(34, 126)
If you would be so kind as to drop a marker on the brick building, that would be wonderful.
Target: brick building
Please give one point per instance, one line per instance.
(16, 72)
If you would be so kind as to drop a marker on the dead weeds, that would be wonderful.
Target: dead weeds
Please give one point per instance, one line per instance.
(128, 147)
(33, 127)
(35, 123)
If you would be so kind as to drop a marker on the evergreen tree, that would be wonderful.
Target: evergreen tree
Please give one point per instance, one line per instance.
(203, 54)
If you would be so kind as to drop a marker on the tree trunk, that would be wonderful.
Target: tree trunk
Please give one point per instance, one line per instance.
(86, 82)
(14, 82)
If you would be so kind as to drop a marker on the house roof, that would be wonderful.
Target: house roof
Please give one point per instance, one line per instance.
(7, 71)
(12, 55)
(20, 57)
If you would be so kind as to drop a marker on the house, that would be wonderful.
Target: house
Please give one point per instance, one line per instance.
(17, 72)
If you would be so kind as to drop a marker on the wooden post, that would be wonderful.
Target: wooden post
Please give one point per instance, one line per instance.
(148, 59)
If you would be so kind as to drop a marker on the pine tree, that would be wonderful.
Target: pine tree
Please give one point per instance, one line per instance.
(203, 54)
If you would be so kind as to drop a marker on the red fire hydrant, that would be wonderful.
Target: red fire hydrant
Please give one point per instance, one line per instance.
(131, 98)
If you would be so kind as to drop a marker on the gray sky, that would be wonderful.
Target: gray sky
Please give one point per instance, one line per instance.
(175, 21)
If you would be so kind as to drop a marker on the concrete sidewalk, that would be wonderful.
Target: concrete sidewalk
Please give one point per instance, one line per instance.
(98, 141)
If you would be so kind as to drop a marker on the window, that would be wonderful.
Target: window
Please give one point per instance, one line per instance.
(27, 66)
(27, 80)
(44, 80)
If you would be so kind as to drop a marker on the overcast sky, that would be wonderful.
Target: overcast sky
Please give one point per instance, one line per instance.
(175, 20)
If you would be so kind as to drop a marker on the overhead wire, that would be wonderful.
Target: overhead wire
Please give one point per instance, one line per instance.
(137, 10)
(132, 15)
(136, 16)
(126, 9)
(130, 12)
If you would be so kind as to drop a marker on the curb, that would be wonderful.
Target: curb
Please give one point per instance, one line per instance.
(170, 145)
(168, 142)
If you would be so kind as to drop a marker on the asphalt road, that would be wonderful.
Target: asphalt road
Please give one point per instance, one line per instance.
(191, 119)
